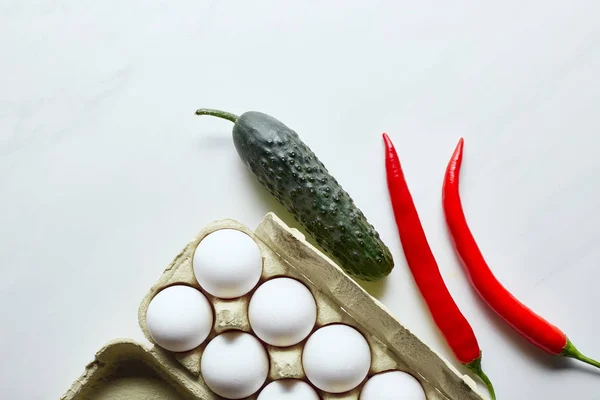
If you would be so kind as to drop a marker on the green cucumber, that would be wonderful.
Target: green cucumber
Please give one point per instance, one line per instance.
(292, 173)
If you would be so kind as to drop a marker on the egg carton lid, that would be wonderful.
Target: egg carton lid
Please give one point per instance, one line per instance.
(125, 369)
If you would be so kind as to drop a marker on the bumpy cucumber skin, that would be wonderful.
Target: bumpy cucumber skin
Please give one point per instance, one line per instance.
(292, 173)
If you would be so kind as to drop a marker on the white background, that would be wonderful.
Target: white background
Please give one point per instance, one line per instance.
(105, 173)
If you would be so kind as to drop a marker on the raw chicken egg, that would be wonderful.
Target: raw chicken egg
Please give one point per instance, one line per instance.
(227, 263)
(234, 365)
(392, 385)
(179, 318)
(282, 312)
(336, 358)
(288, 389)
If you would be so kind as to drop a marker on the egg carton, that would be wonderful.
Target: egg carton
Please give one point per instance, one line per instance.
(162, 374)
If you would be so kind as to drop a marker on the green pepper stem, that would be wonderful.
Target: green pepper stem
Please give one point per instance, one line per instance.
(475, 366)
(571, 351)
(217, 113)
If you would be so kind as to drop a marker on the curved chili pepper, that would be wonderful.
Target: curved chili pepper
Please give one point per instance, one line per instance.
(529, 324)
(421, 261)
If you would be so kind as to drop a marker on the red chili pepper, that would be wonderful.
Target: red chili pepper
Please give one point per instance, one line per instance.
(529, 324)
(446, 314)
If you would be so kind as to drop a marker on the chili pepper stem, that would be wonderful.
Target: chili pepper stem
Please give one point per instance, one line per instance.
(217, 113)
(475, 366)
(571, 351)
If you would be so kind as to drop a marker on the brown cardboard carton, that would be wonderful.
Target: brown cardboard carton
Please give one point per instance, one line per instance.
(338, 297)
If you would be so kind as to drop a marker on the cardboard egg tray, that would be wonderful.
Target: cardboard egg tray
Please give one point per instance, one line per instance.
(127, 370)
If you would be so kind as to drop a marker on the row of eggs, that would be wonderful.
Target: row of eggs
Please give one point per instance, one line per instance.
(282, 312)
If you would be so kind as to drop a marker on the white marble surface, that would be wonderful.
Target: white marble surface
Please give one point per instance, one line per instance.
(105, 173)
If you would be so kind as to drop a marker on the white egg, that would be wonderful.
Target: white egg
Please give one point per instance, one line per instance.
(179, 318)
(234, 365)
(392, 385)
(227, 263)
(282, 312)
(288, 389)
(336, 358)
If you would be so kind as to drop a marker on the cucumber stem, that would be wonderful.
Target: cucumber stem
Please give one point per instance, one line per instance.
(571, 351)
(217, 113)
(475, 366)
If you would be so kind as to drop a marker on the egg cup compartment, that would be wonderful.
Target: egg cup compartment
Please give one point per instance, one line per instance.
(339, 299)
